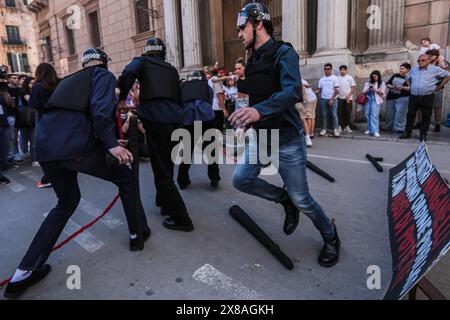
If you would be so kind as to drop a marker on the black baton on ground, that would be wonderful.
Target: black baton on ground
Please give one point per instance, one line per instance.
(374, 162)
(319, 171)
(133, 145)
(243, 218)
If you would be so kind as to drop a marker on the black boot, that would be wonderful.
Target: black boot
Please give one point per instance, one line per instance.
(405, 136)
(184, 183)
(138, 244)
(437, 128)
(215, 184)
(17, 289)
(329, 256)
(292, 214)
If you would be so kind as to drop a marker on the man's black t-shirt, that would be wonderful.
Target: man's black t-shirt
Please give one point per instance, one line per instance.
(15, 94)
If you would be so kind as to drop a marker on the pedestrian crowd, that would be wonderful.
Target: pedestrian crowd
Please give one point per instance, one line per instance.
(411, 98)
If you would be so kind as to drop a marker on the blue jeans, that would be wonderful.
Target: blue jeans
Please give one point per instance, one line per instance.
(372, 110)
(27, 143)
(4, 147)
(396, 112)
(326, 110)
(14, 152)
(292, 168)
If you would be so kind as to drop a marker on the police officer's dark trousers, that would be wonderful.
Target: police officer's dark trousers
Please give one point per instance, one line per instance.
(213, 169)
(63, 177)
(160, 147)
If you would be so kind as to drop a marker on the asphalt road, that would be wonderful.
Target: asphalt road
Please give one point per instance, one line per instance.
(220, 260)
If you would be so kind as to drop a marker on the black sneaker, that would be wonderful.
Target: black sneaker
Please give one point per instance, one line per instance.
(4, 180)
(17, 289)
(172, 225)
(329, 256)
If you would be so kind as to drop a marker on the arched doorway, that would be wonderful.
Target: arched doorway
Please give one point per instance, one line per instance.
(232, 45)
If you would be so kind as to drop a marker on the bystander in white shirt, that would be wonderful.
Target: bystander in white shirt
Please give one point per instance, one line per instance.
(328, 85)
(346, 84)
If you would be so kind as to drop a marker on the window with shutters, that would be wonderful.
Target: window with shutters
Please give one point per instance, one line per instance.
(142, 16)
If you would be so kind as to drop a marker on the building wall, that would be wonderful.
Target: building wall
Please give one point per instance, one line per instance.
(26, 21)
(426, 18)
(118, 31)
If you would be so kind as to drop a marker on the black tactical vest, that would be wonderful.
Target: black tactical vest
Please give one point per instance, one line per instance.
(159, 80)
(73, 92)
(195, 90)
(263, 78)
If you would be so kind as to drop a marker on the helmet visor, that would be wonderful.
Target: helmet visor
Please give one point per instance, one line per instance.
(242, 20)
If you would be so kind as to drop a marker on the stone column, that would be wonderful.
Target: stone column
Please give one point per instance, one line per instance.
(191, 35)
(332, 27)
(295, 25)
(172, 30)
(390, 36)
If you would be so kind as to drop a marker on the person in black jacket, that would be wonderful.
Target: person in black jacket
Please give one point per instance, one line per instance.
(77, 134)
(161, 113)
(4, 134)
(45, 83)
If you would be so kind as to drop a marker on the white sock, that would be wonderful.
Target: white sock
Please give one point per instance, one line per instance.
(20, 275)
(133, 236)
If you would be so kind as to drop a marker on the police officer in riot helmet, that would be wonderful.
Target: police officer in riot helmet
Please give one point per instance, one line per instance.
(161, 114)
(274, 81)
(77, 134)
(197, 97)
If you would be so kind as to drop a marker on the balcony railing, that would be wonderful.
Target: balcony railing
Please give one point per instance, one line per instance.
(14, 42)
(36, 5)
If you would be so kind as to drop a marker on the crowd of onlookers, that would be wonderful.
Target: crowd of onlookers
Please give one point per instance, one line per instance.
(412, 96)
(22, 100)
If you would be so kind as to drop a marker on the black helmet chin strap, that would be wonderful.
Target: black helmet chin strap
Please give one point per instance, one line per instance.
(255, 24)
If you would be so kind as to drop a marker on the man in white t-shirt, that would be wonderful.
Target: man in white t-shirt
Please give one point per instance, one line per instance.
(347, 88)
(328, 91)
(219, 101)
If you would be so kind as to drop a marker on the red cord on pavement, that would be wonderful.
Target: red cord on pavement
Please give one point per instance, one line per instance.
(76, 234)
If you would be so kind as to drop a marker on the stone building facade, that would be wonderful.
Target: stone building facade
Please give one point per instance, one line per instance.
(120, 27)
(363, 34)
(18, 47)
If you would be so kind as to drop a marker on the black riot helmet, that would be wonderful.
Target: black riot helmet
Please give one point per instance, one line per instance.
(155, 47)
(255, 12)
(94, 54)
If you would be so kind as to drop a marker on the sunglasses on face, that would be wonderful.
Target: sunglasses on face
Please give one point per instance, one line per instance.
(327, 69)
(423, 60)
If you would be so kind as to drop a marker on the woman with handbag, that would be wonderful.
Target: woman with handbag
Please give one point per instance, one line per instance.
(375, 90)
(45, 83)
